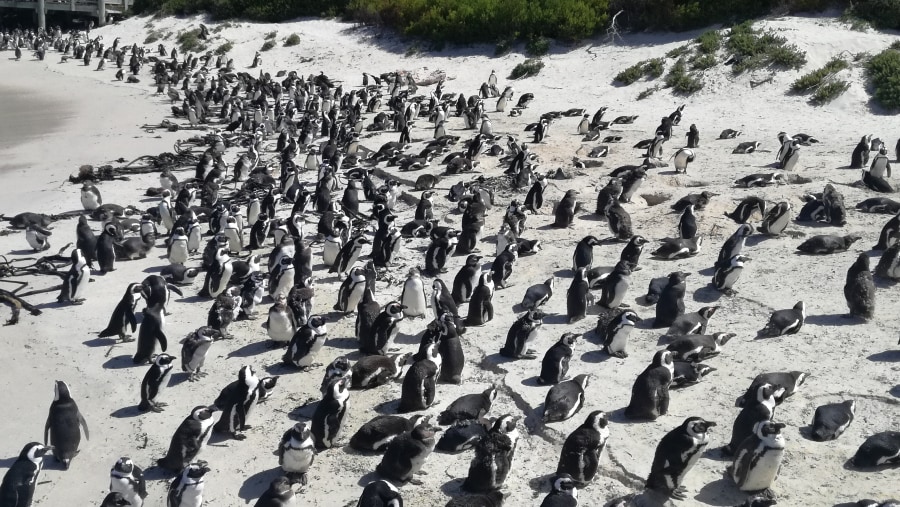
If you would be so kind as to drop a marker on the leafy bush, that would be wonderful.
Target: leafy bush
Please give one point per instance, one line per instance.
(631, 74)
(678, 52)
(190, 40)
(269, 44)
(292, 40)
(829, 91)
(654, 67)
(703, 62)
(880, 13)
(709, 42)
(528, 68)
(755, 49)
(224, 48)
(538, 46)
(648, 92)
(815, 78)
(271, 35)
(152, 37)
(680, 81)
(883, 70)
(503, 47)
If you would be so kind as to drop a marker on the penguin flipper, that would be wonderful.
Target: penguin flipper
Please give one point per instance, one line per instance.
(163, 343)
(132, 319)
(175, 289)
(47, 431)
(83, 423)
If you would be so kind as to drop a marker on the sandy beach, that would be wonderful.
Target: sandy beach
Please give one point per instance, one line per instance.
(91, 119)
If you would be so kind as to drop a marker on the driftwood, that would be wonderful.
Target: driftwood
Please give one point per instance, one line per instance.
(16, 304)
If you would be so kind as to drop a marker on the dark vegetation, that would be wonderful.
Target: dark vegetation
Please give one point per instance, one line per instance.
(502, 21)
(883, 70)
(822, 83)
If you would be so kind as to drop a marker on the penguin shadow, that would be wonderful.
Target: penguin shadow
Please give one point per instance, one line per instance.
(179, 378)
(251, 349)
(532, 382)
(884, 283)
(888, 356)
(100, 342)
(618, 416)
(51, 463)
(158, 473)
(22, 252)
(717, 454)
(304, 411)
(807, 432)
(647, 323)
(279, 368)
(595, 357)
(590, 217)
(193, 299)
(707, 271)
(50, 304)
(846, 504)
(895, 391)
(563, 273)
(344, 343)
(757, 239)
(372, 477)
(557, 319)
(722, 492)
(708, 294)
(408, 339)
(126, 412)
(387, 407)
(668, 173)
(542, 483)
(834, 319)
(120, 363)
(7, 462)
(153, 269)
(254, 486)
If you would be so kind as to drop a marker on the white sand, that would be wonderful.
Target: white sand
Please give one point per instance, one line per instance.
(845, 358)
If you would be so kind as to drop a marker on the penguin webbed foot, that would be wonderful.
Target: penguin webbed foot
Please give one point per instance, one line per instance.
(125, 338)
(416, 482)
(679, 493)
(238, 436)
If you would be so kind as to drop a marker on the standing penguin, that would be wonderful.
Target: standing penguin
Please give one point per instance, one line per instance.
(417, 392)
(584, 253)
(534, 199)
(406, 454)
(859, 289)
(565, 210)
(564, 492)
(615, 334)
(466, 279)
(281, 323)
(64, 424)
(190, 438)
(329, 415)
(675, 456)
(523, 332)
(687, 224)
(734, 244)
(481, 307)
(384, 329)
(296, 452)
(726, 276)
(693, 137)
(442, 300)
(565, 399)
(450, 348)
(279, 494)
(555, 364)
(683, 157)
(123, 315)
(155, 381)
(306, 343)
(236, 401)
(106, 252)
(351, 291)
(150, 332)
(578, 297)
(650, 392)
(348, 255)
(776, 219)
(187, 488)
(502, 267)
(615, 286)
(413, 295)
(760, 408)
(194, 349)
(17, 488)
(493, 456)
(860, 157)
(580, 456)
(127, 479)
(380, 493)
(758, 459)
(90, 197)
(671, 301)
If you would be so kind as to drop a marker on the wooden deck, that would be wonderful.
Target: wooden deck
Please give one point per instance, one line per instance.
(99, 9)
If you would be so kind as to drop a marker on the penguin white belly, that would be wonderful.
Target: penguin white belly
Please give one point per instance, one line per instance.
(413, 299)
(355, 295)
(234, 242)
(192, 496)
(297, 460)
(762, 473)
(223, 282)
(330, 250)
(379, 444)
(620, 339)
(89, 201)
(178, 254)
(368, 378)
(36, 241)
(532, 335)
(80, 281)
(307, 360)
(780, 223)
(284, 285)
(417, 462)
(123, 486)
(280, 327)
(731, 277)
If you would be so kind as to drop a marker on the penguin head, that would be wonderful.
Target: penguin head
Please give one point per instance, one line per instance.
(61, 391)
(195, 470)
(247, 375)
(766, 430)
(598, 420)
(565, 484)
(505, 424)
(207, 334)
(317, 324)
(769, 394)
(395, 310)
(124, 465)
(302, 431)
(696, 426)
(801, 306)
(34, 452)
(630, 316)
(568, 339)
(535, 315)
(663, 358)
(163, 359)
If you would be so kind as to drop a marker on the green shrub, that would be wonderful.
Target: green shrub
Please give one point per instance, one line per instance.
(528, 68)
(152, 37)
(678, 52)
(654, 67)
(269, 44)
(680, 81)
(292, 40)
(883, 70)
(755, 49)
(271, 35)
(703, 62)
(224, 48)
(503, 47)
(815, 78)
(190, 41)
(538, 46)
(709, 42)
(631, 74)
(895, 45)
(648, 92)
(829, 91)
(880, 13)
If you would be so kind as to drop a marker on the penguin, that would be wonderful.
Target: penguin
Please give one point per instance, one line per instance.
(650, 392)
(565, 399)
(190, 438)
(859, 289)
(329, 415)
(683, 157)
(380, 493)
(860, 157)
(890, 234)
(219, 275)
(523, 331)
(578, 297)
(555, 364)
(789, 380)
(832, 419)
(436, 256)
(90, 197)
(306, 343)
(236, 401)
(123, 315)
(462, 436)
(879, 449)
(155, 381)
(377, 433)
(17, 488)
(734, 244)
(879, 205)
(150, 332)
(580, 456)
(537, 295)
(351, 291)
(348, 255)
(86, 239)
(468, 407)
(776, 219)
(725, 277)
(384, 329)
(676, 454)
(62, 431)
(761, 408)
(615, 334)
(281, 323)
(783, 322)
(187, 488)
(406, 454)
(337, 369)
(584, 253)
(698, 347)
(36, 236)
(827, 244)
(194, 349)
(619, 222)
(374, 371)
(565, 210)
(418, 389)
(481, 307)
(106, 252)
(278, 494)
(260, 231)
(493, 456)
(413, 295)
(503, 264)
(296, 452)
(692, 323)
(127, 479)
(693, 137)
(687, 223)
(614, 286)
(466, 279)
(450, 348)
(889, 264)
(757, 461)
(282, 278)
(671, 300)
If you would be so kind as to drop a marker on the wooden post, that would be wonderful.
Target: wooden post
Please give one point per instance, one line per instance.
(101, 12)
(42, 15)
